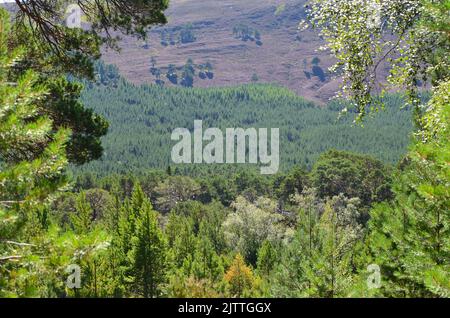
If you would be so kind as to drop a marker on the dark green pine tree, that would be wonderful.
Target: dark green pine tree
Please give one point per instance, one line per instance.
(207, 264)
(121, 251)
(188, 74)
(267, 258)
(64, 107)
(149, 254)
(82, 218)
(62, 102)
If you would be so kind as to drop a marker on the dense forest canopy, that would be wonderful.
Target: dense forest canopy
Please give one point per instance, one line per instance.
(143, 117)
(349, 226)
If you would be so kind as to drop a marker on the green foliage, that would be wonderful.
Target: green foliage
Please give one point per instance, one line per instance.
(148, 254)
(187, 34)
(35, 252)
(315, 61)
(87, 128)
(222, 231)
(353, 175)
(32, 165)
(172, 75)
(178, 35)
(106, 74)
(143, 118)
(267, 258)
(54, 51)
(101, 203)
(32, 156)
(317, 263)
(250, 225)
(318, 71)
(246, 33)
(36, 275)
(175, 190)
(293, 183)
(82, 218)
(61, 102)
(415, 51)
(409, 237)
(196, 244)
(207, 264)
(187, 76)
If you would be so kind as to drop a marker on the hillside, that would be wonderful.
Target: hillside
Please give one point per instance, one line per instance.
(243, 42)
(142, 119)
(283, 55)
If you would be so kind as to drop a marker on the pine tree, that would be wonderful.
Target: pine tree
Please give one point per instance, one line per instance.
(32, 155)
(239, 277)
(82, 218)
(119, 249)
(267, 258)
(32, 173)
(410, 238)
(182, 242)
(207, 263)
(329, 272)
(138, 198)
(318, 262)
(122, 245)
(149, 254)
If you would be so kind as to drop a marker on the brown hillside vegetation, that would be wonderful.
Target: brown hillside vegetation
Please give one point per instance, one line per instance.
(285, 56)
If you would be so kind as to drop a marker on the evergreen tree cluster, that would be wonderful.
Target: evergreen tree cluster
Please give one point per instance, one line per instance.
(179, 35)
(316, 70)
(340, 225)
(246, 33)
(170, 235)
(144, 117)
(185, 75)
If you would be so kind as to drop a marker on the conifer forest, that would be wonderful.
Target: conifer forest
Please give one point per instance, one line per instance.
(94, 205)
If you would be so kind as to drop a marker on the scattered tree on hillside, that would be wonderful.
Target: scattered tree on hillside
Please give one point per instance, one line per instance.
(246, 33)
(172, 75)
(187, 34)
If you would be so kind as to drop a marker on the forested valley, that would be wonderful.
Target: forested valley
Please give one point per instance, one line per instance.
(91, 205)
(142, 118)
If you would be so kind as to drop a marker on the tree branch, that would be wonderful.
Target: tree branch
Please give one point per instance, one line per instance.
(17, 243)
(10, 258)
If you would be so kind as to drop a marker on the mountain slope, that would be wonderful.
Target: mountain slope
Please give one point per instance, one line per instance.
(143, 117)
(283, 56)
